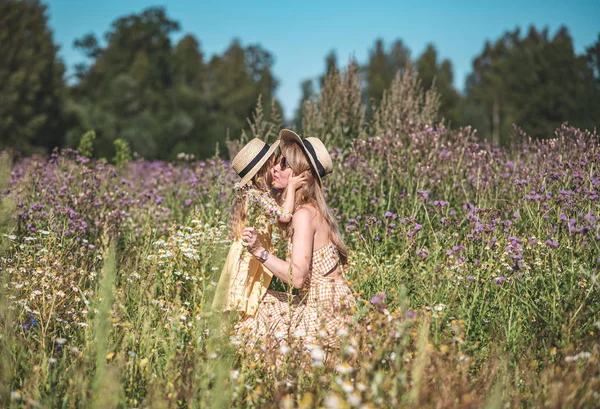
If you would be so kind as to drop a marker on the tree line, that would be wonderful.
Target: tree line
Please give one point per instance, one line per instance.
(164, 98)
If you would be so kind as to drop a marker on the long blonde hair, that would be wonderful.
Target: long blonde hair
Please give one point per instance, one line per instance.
(312, 194)
(263, 180)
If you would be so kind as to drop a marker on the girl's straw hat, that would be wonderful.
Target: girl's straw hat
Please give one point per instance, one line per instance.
(251, 158)
(319, 158)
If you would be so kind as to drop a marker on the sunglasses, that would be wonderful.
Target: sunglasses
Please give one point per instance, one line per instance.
(283, 163)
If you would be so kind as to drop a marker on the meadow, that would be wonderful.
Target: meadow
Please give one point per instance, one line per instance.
(476, 268)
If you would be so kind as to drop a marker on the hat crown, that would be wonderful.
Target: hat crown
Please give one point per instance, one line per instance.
(321, 154)
(251, 158)
(315, 150)
(250, 151)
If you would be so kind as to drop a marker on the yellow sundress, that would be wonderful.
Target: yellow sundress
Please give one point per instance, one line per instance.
(244, 280)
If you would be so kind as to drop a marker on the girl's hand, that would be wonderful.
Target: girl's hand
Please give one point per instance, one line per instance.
(250, 241)
(296, 182)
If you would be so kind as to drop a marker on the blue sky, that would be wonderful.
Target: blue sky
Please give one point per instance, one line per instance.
(300, 34)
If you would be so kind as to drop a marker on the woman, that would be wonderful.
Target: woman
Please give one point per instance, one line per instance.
(316, 254)
(244, 280)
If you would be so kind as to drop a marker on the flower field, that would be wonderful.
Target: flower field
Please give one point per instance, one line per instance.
(476, 269)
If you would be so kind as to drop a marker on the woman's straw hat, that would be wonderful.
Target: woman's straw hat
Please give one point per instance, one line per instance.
(251, 158)
(317, 154)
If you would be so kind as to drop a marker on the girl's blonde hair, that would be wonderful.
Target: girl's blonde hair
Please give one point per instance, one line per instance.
(312, 194)
(263, 180)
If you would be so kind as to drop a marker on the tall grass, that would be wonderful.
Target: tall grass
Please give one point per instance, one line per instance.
(476, 270)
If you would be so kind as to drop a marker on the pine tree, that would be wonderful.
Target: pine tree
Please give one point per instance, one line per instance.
(534, 81)
(331, 66)
(382, 68)
(378, 73)
(440, 73)
(308, 93)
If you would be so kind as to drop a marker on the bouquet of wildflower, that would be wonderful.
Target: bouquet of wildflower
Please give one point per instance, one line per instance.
(261, 207)
(263, 204)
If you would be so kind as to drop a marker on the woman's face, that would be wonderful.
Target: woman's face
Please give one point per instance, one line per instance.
(281, 173)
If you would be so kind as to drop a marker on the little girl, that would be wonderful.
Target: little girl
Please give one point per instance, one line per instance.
(244, 280)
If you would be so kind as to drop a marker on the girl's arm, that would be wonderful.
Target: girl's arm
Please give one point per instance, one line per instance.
(294, 183)
(297, 268)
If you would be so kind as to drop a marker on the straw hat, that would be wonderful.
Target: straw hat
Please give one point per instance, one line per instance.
(319, 158)
(251, 158)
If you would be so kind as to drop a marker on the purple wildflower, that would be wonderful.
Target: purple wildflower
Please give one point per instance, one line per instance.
(379, 299)
(422, 253)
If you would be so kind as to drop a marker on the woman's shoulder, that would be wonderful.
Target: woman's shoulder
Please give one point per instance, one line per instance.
(304, 217)
(306, 210)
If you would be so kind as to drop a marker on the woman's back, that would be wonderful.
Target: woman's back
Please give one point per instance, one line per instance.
(322, 238)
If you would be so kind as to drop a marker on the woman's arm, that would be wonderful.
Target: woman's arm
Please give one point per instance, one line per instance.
(296, 270)
(294, 183)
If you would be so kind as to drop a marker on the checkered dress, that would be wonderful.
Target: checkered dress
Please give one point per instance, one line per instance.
(323, 306)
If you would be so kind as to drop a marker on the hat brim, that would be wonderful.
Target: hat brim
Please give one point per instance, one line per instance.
(288, 136)
(248, 176)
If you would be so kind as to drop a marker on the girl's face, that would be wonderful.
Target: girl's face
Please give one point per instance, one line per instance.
(281, 173)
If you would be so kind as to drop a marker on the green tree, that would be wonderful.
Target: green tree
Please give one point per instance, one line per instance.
(431, 71)
(188, 63)
(398, 57)
(308, 93)
(593, 58)
(534, 81)
(127, 91)
(187, 125)
(235, 80)
(379, 76)
(32, 86)
(383, 66)
(331, 66)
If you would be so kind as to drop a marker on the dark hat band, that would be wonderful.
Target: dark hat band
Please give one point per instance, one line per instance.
(255, 160)
(311, 151)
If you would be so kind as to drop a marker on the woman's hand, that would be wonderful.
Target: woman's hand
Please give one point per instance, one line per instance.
(250, 241)
(296, 182)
